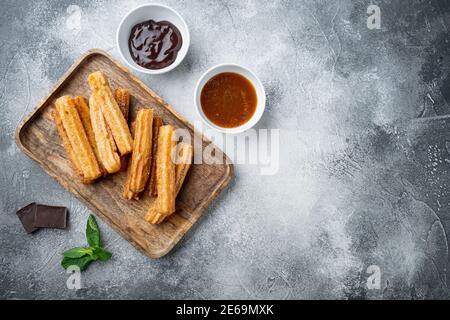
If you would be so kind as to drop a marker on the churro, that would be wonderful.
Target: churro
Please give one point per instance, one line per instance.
(185, 153)
(80, 151)
(142, 150)
(127, 193)
(153, 215)
(111, 112)
(107, 153)
(184, 161)
(84, 113)
(66, 144)
(122, 97)
(165, 170)
(157, 123)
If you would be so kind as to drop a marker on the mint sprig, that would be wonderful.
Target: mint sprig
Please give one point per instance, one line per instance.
(81, 256)
(93, 233)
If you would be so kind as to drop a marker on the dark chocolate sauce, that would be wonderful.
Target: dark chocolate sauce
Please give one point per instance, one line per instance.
(154, 45)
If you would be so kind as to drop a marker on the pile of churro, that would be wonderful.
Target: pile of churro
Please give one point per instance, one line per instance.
(98, 141)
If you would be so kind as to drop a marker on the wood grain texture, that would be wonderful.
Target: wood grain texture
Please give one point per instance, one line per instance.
(38, 138)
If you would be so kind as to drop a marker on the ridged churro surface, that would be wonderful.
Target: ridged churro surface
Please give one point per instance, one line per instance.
(106, 148)
(184, 161)
(127, 193)
(165, 170)
(84, 113)
(122, 97)
(82, 150)
(112, 113)
(66, 144)
(142, 150)
(152, 188)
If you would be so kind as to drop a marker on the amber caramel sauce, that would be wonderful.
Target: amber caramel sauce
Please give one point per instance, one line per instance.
(228, 100)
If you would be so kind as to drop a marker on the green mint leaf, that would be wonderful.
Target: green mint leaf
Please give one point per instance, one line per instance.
(77, 252)
(92, 232)
(93, 255)
(102, 254)
(81, 256)
(82, 262)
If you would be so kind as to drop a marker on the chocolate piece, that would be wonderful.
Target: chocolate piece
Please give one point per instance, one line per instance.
(50, 217)
(26, 216)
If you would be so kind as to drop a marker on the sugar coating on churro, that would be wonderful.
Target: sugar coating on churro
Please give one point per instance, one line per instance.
(106, 148)
(66, 144)
(77, 137)
(153, 215)
(83, 111)
(142, 150)
(184, 161)
(152, 187)
(122, 97)
(165, 170)
(111, 111)
(127, 193)
(185, 152)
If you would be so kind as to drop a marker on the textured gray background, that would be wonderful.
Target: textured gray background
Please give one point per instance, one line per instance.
(364, 172)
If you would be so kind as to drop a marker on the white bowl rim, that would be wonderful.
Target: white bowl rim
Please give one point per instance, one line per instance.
(260, 106)
(169, 67)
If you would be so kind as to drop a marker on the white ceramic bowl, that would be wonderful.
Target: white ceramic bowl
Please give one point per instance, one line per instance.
(155, 12)
(260, 94)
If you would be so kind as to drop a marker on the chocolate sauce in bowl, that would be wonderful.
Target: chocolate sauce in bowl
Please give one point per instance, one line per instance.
(154, 45)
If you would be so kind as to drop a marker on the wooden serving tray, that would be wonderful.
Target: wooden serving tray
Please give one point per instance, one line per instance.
(38, 138)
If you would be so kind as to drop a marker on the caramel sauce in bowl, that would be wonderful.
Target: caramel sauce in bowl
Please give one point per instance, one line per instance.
(230, 98)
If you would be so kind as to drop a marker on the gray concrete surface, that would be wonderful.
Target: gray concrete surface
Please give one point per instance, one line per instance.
(364, 174)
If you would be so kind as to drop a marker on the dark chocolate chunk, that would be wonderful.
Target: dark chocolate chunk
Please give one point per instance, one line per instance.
(26, 216)
(50, 217)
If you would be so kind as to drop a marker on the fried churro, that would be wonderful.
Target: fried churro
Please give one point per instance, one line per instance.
(111, 112)
(84, 113)
(122, 97)
(106, 148)
(185, 153)
(165, 170)
(142, 150)
(184, 161)
(67, 146)
(80, 151)
(157, 123)
(139, 169)
(127, 193)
